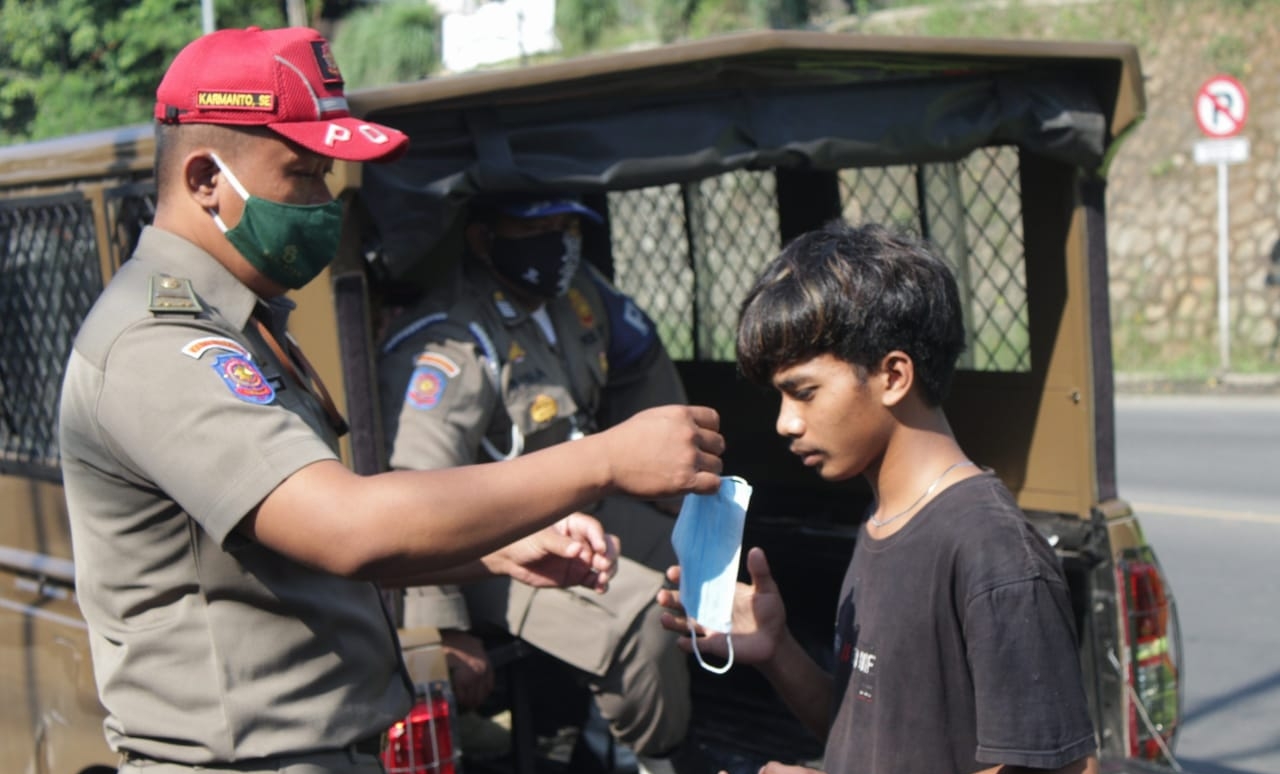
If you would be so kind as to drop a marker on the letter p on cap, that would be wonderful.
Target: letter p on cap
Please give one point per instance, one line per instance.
(336, 134)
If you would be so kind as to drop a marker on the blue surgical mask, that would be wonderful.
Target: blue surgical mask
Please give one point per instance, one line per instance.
(707, 538)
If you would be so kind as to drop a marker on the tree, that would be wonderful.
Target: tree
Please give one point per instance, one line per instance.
(580, 24)
(389, 42)
(70, 66)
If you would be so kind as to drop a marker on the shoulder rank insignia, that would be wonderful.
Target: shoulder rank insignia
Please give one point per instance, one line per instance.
(516, 353)
(243, 378)
(504, 306)
(173, 295)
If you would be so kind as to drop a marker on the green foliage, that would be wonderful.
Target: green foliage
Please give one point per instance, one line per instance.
(1228, 54)
(581, 24)
(392, 42)
(671, 18)
(70, 66)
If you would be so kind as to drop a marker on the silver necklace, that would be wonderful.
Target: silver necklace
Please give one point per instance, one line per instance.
(921, 498)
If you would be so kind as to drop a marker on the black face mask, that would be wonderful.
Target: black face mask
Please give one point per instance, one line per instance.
(543, 264)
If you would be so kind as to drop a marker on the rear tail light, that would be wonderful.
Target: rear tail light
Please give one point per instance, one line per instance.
(1151, 644)
(422, 743)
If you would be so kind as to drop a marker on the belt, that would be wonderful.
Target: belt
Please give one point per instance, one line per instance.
(371, 745)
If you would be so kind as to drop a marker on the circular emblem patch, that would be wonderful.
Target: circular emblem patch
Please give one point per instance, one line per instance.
(543, 409)
(243, 378)
(426, 387)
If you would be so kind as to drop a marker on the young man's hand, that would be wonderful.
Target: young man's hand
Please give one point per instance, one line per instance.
(574, 551)
(759, 616)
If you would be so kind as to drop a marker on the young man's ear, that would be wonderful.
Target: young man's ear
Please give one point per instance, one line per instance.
(897, 373)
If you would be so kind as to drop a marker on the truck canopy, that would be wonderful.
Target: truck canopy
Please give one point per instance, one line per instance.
(751, 101)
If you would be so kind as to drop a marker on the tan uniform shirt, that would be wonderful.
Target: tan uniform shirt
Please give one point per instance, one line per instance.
(469, 376)
(176, 422)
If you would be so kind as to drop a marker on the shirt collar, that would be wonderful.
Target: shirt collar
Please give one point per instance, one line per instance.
(216, 287)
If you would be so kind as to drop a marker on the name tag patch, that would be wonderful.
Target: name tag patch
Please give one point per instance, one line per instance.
(441, 362)
(196, 348)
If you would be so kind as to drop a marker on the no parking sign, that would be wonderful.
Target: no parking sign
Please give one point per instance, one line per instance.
(1221, 106)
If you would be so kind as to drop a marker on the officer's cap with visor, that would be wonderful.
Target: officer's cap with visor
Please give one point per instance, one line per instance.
(531, 206)
(284, 79)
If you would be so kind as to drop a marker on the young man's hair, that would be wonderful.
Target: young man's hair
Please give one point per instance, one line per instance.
(857, 293)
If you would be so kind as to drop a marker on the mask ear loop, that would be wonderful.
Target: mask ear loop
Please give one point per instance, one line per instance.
(235, 183)
(717, 670)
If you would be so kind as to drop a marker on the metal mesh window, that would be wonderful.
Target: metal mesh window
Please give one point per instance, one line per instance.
(49, 276)
(129, 208)
(688, 254)
(651, 248)
(972, 211)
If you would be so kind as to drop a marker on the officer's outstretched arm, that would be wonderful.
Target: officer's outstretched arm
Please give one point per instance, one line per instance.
(408, 524)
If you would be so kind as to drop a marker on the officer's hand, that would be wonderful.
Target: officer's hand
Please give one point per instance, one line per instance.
(574, 551)
(665, 451)
(773, 767)
(759, 616)
(470, 672)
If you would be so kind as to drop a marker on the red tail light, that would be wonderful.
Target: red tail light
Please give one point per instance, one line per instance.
(422, 743)
(1152, 645)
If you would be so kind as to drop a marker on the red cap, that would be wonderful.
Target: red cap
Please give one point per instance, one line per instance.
(285, 79)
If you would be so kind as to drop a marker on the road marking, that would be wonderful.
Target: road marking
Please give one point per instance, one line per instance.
(1207, 513)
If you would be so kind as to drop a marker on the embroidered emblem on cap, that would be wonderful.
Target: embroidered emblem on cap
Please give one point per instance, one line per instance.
(439, 361)
(329, 71)
(426, 387)
(244, 379)
(516, 353)
(543, 409)
(581, 308)
(196, 348)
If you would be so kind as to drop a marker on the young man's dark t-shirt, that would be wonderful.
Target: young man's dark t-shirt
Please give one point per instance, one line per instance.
(955, 645)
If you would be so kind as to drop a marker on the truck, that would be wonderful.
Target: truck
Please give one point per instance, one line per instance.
(704, 157)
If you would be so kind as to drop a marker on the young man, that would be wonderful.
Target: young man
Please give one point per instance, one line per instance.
(223, 552)
(955, 645)
(521, 348)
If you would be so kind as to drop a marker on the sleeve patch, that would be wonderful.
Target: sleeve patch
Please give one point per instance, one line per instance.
(426, 387)
(440, 362)
(197, 348)
(243, 378)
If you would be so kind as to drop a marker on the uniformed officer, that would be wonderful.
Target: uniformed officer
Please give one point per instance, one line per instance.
(223, 552)
(522, 348)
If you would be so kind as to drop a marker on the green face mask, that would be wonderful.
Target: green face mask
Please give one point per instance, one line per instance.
(289, 243)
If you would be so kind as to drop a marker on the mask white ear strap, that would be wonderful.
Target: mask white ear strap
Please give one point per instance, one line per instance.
(231, 178)
(718, 670)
